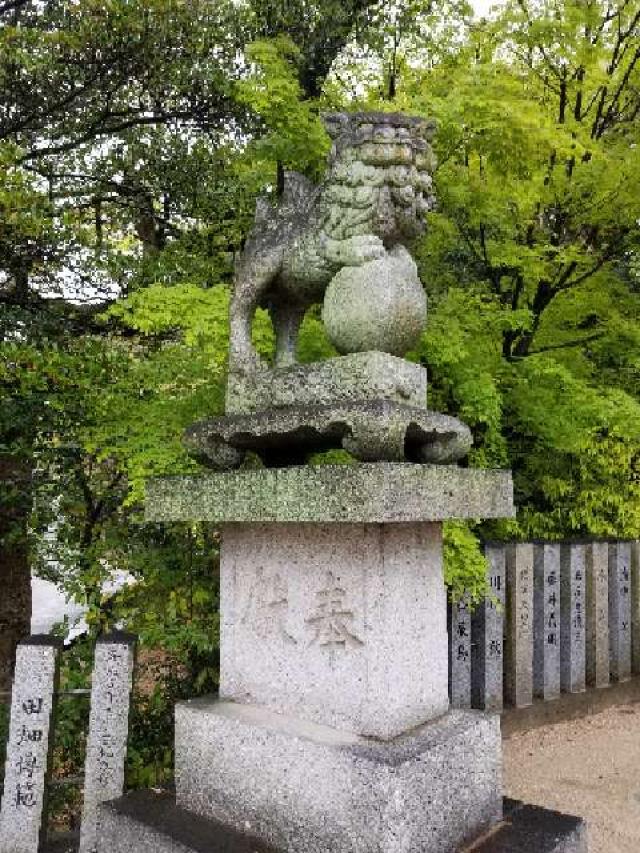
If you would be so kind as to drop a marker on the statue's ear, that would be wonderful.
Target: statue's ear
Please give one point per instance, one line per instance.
(335, 124)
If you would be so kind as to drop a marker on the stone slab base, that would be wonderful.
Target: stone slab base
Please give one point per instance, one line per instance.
(145, 822)
(302, 786)
(532, 829)
(348, 378)
(370, 430)
(376, 492)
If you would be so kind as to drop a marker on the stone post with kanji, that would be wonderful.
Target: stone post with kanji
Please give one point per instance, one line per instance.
(23, 809)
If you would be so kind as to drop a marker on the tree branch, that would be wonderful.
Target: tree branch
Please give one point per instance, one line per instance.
(97, 130)
(567, 344)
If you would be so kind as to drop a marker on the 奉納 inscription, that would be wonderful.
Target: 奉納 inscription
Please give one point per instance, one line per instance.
(332, 619)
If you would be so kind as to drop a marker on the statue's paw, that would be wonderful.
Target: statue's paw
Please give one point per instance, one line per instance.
(367, 247)
(355, 251)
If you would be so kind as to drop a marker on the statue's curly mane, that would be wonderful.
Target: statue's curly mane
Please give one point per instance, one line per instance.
(382, 162)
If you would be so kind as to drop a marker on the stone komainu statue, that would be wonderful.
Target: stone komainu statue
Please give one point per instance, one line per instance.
(371, 203)
(342, 243)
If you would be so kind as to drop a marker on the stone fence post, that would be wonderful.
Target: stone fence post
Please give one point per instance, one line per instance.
(488, 636)
(635, 606)
(597, 565)
(546, 620)
(459, 615)
(572, 617)
(108, 729)
(519, 635)
(23, 808)
(620, 610)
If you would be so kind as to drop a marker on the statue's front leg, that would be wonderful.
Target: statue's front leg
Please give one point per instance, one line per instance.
(286, 323)
(243, 357)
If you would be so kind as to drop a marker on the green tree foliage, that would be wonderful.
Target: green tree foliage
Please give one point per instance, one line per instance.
(295, 136)
(320, 30)
(535, 310)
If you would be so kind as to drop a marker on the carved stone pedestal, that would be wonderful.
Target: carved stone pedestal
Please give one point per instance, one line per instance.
(333, 731)
(301, 786)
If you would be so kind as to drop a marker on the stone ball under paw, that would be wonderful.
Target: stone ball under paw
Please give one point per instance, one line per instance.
(380, 305)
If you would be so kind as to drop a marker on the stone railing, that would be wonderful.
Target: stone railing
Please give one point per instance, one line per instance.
(23, 808)
(559, 617)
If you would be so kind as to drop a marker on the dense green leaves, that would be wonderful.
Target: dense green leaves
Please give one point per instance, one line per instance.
(535, 304)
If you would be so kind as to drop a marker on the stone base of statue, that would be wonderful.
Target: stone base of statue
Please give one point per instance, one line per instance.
(371, 404)
(148, 822)
(301, 786)
(332, 733)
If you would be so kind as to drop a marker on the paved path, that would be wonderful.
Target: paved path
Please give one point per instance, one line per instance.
(588, 767)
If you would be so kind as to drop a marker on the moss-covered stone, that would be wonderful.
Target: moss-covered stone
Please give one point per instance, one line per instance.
(371, 431)
(360, 376)
(374, 493)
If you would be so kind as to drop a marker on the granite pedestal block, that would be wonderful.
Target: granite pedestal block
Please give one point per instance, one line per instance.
(370, 492)
(315, 623)
(305, 787)
(333, 733)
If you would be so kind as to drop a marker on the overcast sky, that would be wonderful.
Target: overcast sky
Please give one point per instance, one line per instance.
(483, 6)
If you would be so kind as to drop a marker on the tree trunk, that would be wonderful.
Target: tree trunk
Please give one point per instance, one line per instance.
(15, 572)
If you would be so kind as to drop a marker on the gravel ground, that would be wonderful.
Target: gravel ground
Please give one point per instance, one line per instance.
(588, 767)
